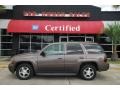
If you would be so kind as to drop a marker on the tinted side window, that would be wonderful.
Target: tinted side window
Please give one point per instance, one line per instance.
(55, 49)
(74, 48)
(93, 48)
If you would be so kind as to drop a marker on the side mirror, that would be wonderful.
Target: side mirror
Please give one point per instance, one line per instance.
(43, 54)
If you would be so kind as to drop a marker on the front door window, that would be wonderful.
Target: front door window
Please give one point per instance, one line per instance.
(55, 49)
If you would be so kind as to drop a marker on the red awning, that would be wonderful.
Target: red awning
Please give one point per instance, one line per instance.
(46, 26)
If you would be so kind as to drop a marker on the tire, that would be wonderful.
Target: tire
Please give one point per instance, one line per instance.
(88, 72)
(24, 71)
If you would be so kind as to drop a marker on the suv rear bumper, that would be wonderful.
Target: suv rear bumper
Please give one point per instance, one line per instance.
(104, 67)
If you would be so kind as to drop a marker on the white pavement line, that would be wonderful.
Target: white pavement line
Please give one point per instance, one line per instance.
(68, 81)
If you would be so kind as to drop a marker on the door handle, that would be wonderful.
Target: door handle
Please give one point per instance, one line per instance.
(81, 57)
(60, 58)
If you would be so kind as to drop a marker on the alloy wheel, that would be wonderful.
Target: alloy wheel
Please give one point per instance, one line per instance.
(88, 72)
(24, 72)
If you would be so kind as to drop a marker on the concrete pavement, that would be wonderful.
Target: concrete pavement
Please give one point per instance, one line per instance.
(110, 77)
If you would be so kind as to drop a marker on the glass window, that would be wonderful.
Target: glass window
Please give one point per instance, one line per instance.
(4, 32)
(6, 45)
(24, 38)
(109, 54)
(36, 46)
(107, 47)
(118, 47)
(6, 52)
(93, 48)
(48, 39)
(36, 38)
(89, 39)
(63, 39)
(21, 51)
(6, 39)
(74, 48)
(75, 39)
(24, 50)
(55, 49)
(56, 37)
(44, 44)
(104, 40)
(118, 54)
(24, 45)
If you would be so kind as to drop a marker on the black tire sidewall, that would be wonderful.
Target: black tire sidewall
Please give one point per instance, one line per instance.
(24, 65)
(82, 69)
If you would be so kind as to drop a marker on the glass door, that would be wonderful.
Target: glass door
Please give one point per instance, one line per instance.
(63, 39)
(76, 39)
(89, 39)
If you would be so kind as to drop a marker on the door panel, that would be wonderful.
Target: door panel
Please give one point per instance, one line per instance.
(53, 61)
(71, 63)
(51, 64)
(74, 54)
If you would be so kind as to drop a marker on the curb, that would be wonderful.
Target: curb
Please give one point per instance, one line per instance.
(4, 64)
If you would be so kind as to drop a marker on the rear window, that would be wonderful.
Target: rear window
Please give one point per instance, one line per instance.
(74, 48)
(94, 48)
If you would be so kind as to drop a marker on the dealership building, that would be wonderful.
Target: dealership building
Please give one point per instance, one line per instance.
(31, 27)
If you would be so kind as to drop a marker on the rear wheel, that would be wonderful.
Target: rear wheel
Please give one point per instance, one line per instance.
(88, 72)
(24, 71)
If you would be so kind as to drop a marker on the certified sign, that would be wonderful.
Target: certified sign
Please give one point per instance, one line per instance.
(56, 26)
(62, 28)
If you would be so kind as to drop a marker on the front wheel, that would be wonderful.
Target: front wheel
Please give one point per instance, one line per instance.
(88, 72)
(24, 71)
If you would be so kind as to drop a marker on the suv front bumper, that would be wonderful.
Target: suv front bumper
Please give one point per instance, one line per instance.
(11, 68)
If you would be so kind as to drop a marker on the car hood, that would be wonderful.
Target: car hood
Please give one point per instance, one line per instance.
(25, 55)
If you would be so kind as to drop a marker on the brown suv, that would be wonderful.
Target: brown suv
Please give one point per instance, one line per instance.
(65, 58)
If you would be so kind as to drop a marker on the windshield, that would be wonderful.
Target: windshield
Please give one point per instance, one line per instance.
(93, 48)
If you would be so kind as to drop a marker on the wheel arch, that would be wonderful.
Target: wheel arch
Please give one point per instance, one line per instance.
(24, 62)
(90, 62)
